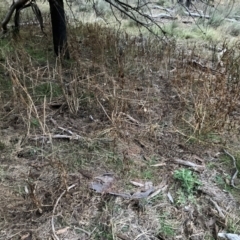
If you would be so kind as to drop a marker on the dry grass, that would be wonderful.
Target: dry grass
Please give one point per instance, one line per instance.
(210, 95)
(128, 106)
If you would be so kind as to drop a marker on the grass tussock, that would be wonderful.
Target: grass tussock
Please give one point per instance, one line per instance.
(211, 96)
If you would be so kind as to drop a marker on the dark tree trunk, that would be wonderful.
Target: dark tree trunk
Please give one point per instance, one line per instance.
(188, 3)
(59, 27)
(16, 19)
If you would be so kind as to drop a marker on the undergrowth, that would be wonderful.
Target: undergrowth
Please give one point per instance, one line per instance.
(123, 104)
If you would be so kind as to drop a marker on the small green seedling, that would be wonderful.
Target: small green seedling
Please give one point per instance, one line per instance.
(188, 179)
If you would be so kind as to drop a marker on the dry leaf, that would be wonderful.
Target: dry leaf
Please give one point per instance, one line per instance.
(196, 167)
(145, 194)
(102, 183)
(170, 197)
(137, 184)
(27, 236)
(148, 185)
(155, 193)
(61, 231)
(198, 158)
(158, 165)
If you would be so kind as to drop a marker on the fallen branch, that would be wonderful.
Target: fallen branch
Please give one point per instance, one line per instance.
(231, 20)
(236, 169)
(229, 236)
(163, 16)
(129, 117)
(218, 208)
(72, 136)
(195, 166)
(164, 9)
(191, 14)
(56, 136)
(82, 230)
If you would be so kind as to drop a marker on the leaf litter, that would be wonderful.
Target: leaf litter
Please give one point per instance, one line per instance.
(110, 176)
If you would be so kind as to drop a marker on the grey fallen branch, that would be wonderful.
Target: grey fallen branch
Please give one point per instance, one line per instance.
(237, 17)
(194, 166)
(71, 136)
(66, 130)
(170, 197)
(164, 9)
(163, 16)
(196, 64)
(229, 236)
(105, 184)
(57, 136)
(191, 14)
(148, 194)
(171, 12)
(236, 169)
(231, 20)
(129, 117)
(220, 211)
(197, 15)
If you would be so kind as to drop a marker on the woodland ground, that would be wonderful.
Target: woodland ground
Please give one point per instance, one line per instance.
(91, 147)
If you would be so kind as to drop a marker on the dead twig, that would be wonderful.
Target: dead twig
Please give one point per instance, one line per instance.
(82, 230)
(57, 136)
(195, 166)
(129, 117)
(236, 169)
(104, 110)
(54, 209)
(218, 208)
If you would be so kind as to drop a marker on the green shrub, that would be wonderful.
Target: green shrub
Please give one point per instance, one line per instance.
(234, 29)
(216, 20)
(188, 179)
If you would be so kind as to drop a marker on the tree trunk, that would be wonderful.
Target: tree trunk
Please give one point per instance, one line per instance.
(59, 28)
(188, 3)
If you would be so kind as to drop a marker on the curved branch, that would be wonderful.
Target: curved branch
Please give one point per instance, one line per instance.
(16, 5)
(133, 12)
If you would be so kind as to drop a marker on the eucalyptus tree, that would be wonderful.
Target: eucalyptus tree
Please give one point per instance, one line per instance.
(57, 18)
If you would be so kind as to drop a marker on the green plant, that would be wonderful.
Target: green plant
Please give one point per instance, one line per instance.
(171, 28)
(35, 122)
(37, 54)
(223, 182)
(2, 146)
(234, 30)
(148, 174)
(48, 89)
(166, 228)
(232, 225)
(215, 21)
(181, 197)
(188, 179)
(208, 237)
(131, 23)
(156, 199)
(160, 2)
(5, 48)
(2, 174)
(101, 8)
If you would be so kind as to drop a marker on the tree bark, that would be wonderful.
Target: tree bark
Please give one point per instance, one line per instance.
(188, 3)
(59, 30)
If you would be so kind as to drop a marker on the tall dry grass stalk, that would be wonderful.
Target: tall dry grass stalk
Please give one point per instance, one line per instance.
(210, 96)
